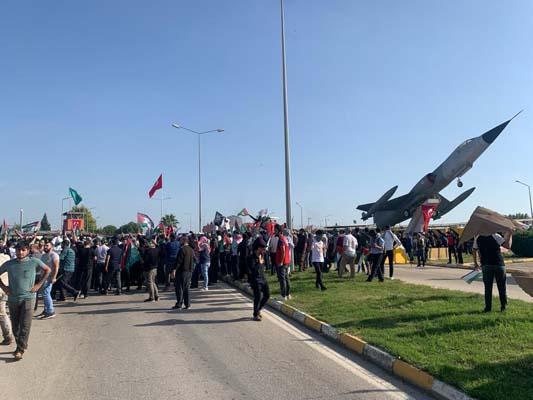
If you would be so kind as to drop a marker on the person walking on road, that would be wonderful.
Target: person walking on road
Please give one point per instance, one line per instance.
(391, 241)
(184, 267)
(5, 322)
(257, 277)
(67, 267)
(112, 266)
(493, 267)
(101, 253)
(23, 284)
(87, 259)
(151, 262)
(204, 258)
(51, 259)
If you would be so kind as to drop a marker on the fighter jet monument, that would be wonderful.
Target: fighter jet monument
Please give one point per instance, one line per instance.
(392, 212)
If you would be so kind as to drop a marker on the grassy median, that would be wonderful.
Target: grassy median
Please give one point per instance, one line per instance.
(489, 356)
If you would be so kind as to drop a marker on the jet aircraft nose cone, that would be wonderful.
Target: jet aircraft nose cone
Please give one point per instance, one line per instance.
(490, 136)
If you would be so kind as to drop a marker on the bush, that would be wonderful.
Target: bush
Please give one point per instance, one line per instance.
(523, 244)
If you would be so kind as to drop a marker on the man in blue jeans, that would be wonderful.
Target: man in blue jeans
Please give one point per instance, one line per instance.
(51, 259)
(204, 258)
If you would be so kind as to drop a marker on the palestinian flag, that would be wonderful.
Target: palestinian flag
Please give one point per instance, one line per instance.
(31, 227)
(75, 196)
(244, 212)
(145, 221)
(157, 185)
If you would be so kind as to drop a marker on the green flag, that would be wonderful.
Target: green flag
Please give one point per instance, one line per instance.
(75, 196)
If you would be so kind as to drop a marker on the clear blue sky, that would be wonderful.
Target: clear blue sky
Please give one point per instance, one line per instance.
(380, 92)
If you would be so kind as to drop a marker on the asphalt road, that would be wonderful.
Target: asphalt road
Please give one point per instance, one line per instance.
(450, 278)
(121, 348)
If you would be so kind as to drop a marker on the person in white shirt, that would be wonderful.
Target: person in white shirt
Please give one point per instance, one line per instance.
(349, 247)
(391, 242)
(101, 253)
(318, 251)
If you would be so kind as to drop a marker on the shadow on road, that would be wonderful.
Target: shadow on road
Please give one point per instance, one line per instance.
(172, 322)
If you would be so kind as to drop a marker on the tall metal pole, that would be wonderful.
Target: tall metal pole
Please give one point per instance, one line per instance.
(286, 126)
(199, 187)
(530, 203)
(21, 218)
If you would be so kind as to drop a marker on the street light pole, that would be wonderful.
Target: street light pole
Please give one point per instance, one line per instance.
(326, 220)
(219, 130)
(286, 125)
(162, 199)
(530, 203)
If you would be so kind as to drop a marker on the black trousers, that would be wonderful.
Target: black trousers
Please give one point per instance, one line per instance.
(100, 274)
(261, 296)
(21, 314)
(235, 267)
(65, 284)
(319, 266)
(114, 276)
(375, 261)
(491, 272)
(215, 267)
(451, 249)
(85, 280)
(390, 255)
(182, 285)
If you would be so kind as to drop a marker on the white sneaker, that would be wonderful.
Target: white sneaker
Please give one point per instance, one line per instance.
(392, 278)
(289, 296)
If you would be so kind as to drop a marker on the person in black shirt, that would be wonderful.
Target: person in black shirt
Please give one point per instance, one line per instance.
(493, 267)
(258, 281)
(86, 262)
(185, 263)
(151, 262)
(112, 265)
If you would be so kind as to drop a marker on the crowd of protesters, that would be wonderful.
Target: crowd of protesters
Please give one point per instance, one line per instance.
(77, 267)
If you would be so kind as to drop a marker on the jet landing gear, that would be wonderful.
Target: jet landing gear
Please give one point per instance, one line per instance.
(459, 182)
(406, 213)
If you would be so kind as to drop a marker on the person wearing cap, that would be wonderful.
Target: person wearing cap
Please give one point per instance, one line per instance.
(21, 291)
(258, 281)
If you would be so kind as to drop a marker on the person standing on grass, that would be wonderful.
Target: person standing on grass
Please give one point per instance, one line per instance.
(391, 242)
(317, 258)
(377, 244)
(283, 261)
(51, 259)
(258, 281)
(349, 249)
(23, 284)
(491, 259)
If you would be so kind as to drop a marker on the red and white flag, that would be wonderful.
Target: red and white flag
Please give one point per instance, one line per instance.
(157, 185)
(428, 210)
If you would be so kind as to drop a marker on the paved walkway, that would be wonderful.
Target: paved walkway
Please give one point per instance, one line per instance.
(450, 278)
(121, 348)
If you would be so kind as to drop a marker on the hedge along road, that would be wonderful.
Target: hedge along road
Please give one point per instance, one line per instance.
(121, 348)
(444, 332)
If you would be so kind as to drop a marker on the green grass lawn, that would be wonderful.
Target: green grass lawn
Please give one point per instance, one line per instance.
(489, 356)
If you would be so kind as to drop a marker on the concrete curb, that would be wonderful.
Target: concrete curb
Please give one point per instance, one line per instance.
(399, 368)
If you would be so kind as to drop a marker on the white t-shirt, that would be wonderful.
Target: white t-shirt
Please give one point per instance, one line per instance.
(317, 251)
(273, 244)
(101, 253)
(390, 238)
(349, 244)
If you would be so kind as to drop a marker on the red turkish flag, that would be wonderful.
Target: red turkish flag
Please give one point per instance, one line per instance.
(157, 185)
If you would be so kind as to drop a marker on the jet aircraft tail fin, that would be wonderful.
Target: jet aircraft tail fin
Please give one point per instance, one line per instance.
(446, 206)
(365, 207)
